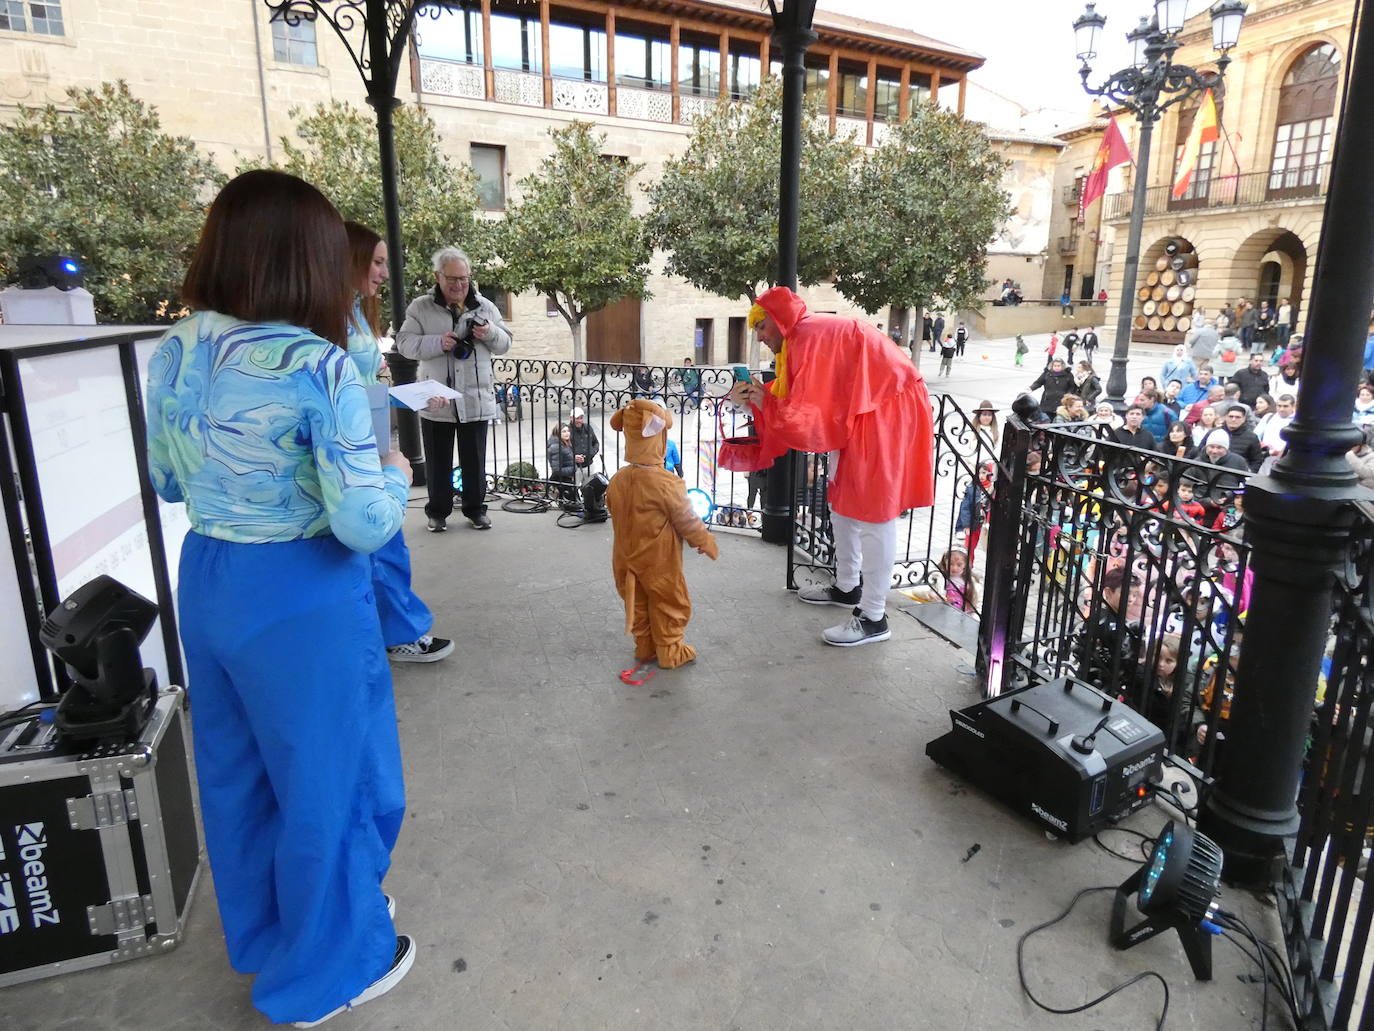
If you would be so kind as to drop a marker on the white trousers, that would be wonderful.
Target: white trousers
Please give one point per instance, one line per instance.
(870, 549)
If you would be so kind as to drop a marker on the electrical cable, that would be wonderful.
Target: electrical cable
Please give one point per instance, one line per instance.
(1113, 852)
(1021, 971)
(1272, 967)
(15, 717)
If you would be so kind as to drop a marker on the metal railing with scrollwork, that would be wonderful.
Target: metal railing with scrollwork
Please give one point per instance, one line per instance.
(536, 395)
(1071, 504)
(924, 536)
(1324, 902)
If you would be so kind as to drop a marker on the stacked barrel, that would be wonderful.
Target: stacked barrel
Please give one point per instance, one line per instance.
(1165, 302)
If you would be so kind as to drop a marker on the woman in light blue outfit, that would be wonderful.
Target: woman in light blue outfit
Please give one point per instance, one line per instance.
(406, 620)
(258, 421)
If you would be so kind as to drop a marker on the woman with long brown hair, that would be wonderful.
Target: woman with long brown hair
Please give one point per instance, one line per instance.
(406, 620)
(257, 420)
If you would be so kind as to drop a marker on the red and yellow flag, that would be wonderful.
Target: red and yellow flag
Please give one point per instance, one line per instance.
(1112, 152)
(1204, 131)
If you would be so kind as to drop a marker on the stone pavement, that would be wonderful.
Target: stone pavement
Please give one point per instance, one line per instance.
(756, 841)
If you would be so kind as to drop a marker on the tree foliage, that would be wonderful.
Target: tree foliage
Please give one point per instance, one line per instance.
(925, 206)
(715, 209)
(336, 150)
(102, 182)
(573, 237)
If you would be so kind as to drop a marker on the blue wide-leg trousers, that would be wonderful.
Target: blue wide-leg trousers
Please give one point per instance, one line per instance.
(404, 616)
(298, 763)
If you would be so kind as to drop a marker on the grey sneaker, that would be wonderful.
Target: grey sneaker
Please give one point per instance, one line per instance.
(402, 961)
(830, 596)
(857, 631)
(426, 649)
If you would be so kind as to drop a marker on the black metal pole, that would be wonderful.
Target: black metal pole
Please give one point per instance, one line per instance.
(1298, 518)
(1121, 347)
(402, 368)
(384, 63)
(794, 39)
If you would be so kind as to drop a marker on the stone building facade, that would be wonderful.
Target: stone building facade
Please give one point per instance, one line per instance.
(1253, 211)
(495, 78)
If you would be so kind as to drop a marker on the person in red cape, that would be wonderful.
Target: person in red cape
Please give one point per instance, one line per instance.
(842, 387)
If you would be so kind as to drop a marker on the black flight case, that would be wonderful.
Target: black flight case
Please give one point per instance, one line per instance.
(100, 846)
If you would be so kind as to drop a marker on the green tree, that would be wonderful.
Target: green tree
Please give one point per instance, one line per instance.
(925, 206)
(715, 209)
(573, 236)
(102, 182)
(336, 150)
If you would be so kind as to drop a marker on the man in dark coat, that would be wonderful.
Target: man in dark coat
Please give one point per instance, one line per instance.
(939, 330)
(1253, 380)
(1070, 343)
(1057, 381)
(1212, 487)
(1134, 433)
(1243, 443)
(1089, 342)
(585, 446)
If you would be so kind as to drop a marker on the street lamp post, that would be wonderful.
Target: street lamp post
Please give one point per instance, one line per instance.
(376, 33)
(1149, 87)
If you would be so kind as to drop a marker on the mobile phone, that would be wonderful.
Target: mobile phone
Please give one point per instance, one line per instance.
(742, 374)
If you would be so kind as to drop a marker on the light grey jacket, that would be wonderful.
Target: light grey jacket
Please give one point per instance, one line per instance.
(421, 338)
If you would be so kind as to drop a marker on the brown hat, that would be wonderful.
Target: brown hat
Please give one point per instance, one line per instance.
(984, 406)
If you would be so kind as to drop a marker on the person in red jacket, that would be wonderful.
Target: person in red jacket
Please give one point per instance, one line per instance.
(842, 387)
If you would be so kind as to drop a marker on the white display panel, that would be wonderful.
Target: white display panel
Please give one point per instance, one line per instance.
(84, 455)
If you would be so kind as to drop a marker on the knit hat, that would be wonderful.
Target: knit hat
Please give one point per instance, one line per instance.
(1217, 437)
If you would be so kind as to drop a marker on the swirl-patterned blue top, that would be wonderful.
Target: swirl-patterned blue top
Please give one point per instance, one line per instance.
(363, 347)
(264, 431)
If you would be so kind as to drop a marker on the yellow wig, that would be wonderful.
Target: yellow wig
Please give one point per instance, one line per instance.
(778, 387)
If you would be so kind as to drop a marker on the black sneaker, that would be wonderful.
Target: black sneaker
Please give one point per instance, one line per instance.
(425, 649)
(830, 596)
(480, 521)
(437, 525)
(857, 631)
(401, 963)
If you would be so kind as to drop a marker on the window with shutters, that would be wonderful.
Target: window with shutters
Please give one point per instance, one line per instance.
(1305, 124)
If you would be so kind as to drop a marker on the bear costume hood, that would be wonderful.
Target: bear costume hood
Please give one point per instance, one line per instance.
(645, 426)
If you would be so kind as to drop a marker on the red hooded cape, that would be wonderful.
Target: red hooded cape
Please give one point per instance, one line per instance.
(851, 389)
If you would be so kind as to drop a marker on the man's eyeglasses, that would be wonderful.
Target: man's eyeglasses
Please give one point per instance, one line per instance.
(456, 280)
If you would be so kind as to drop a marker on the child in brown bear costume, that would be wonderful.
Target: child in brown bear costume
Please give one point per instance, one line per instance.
(652, 517)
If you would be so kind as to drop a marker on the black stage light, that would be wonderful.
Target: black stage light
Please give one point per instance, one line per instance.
(39, 271)
(1177, 887)
(96, 632)
(594, 499)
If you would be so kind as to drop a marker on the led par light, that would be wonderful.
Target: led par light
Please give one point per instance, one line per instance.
(1177, 887)
(701, 503)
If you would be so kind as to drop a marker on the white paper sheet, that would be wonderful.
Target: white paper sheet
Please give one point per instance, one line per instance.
(415, 395)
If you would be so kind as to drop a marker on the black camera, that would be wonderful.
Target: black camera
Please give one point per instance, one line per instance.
(466, 343)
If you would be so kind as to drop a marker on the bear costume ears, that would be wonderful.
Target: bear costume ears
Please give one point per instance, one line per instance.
(641, 418)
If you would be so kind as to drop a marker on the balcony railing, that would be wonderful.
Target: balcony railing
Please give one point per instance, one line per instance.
(1227, 191)
(459, 79)
(1068, 245)
(1071, 195)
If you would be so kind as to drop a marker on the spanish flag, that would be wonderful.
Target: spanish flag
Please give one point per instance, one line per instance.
(1112, 152)
(1204, 131)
